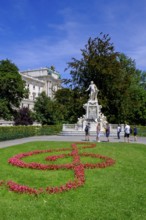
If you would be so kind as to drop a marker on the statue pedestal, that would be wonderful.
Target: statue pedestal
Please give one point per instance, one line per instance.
(93, 115)
(92, 110)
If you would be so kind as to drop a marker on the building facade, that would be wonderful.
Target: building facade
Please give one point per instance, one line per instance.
(37, 81)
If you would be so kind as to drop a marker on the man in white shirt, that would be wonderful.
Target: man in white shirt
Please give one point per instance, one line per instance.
(127, 132)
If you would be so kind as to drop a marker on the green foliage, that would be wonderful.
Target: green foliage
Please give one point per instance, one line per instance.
(5, 110)
(12, 89)
(143, 79)
(121, 197)
(23, 117)
(121, 95)
(99, 61)
(129, 93)
(71, 104)
(48, 129)
(15, 132)
(47, 111)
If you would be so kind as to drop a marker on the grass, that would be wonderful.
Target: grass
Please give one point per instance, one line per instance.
(114, 193)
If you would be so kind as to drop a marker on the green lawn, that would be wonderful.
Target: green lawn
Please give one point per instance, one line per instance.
(117, 192)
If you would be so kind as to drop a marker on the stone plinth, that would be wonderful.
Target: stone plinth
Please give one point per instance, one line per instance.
(92, 110)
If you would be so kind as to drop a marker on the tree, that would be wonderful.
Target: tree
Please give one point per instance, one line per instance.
(46, 110)
(132, 95)
(99, 63)
(99, 60)
(115, 75)
(143, 79)
(24, 117)
(71, 104)
(12, 89)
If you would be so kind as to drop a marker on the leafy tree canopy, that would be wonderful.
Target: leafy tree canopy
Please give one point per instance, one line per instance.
(115, 75)
(12, 89)
(24, 116)
(47, 112)
(71, 103)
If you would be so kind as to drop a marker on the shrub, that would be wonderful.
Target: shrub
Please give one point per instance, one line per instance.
(14, 132)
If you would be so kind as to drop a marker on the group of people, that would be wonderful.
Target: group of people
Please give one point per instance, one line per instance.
(98, 132)
(127, 132)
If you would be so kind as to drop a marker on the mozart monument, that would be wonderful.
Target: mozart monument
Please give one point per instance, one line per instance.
(93, 112)
(93, 109)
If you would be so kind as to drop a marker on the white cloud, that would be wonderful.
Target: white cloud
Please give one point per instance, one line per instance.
(42, 52)
(127, 32)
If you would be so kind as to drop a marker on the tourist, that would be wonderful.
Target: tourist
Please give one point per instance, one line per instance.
(124, 134)
(135, 132)
(107, 131)
(87, 133)
(98, 132)
(127, 132)
(118, 131)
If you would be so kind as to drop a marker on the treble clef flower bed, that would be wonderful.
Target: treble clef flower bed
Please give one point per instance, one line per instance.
(76, 166)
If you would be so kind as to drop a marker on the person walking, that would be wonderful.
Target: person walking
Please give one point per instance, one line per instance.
(107, 131)
(135, 132)
(127, 132)
(118, 131)
(98, 132)
(87, 133)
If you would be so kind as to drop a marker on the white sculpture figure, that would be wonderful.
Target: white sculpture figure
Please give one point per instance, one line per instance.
(80, 124)
(93, 91)
(103, 119)
(80, 121)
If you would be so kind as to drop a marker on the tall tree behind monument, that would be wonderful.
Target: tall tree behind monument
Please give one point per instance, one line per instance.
(114, 74)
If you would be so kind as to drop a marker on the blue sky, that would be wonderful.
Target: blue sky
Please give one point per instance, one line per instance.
(42, 33)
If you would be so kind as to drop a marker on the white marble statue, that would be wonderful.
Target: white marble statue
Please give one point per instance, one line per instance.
(103, 119)
(93, 91)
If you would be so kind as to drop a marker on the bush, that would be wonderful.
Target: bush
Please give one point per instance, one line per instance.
(15, 132)
(23, 117)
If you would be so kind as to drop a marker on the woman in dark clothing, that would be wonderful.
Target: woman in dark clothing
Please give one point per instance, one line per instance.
(135, 133)
(107, 131)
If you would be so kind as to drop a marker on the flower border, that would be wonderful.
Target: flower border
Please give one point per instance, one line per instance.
(76, 166)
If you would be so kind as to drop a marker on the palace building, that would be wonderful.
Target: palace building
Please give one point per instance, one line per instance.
(38, 80)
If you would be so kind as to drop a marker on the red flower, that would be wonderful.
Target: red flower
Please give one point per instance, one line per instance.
(76, 166)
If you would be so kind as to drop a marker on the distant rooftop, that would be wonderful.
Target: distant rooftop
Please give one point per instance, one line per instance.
(41, 71)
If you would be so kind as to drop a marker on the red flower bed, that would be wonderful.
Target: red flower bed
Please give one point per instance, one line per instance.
(76, 166)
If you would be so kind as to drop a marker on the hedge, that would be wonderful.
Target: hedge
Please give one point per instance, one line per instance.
(15, 132)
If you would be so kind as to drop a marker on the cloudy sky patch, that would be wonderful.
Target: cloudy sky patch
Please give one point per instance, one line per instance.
(44, 33)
